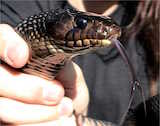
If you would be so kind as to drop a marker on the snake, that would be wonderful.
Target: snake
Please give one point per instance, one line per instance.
(56, 36)
(59, 35)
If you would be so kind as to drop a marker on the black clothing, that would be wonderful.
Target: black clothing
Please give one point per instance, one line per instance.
(105, 72)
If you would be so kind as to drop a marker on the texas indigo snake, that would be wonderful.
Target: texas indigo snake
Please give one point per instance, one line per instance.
(57, 36)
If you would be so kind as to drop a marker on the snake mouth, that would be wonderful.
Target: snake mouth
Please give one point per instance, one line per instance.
(89, 42)
(75, 46)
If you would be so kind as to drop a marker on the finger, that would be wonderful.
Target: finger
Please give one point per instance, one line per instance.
(28, 88)
(13, 49)
(63, 121)
(75, 86)
(15, 112)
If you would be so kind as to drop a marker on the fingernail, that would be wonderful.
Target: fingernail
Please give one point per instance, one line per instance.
(66, 107)
(52, 95)
(15, 54)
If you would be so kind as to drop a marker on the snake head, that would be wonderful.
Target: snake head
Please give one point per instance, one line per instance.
(76, 30)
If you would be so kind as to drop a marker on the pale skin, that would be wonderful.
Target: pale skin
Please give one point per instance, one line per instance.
(27, 100)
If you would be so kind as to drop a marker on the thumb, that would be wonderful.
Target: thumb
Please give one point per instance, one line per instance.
(13, 49)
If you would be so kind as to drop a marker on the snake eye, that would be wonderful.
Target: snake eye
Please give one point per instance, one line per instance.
(81, 23)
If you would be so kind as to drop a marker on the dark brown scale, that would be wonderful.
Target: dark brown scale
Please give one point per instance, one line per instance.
(77, 34)
(70, 35)
(83, 34)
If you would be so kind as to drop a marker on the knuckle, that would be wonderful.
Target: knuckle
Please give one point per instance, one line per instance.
(36, 96)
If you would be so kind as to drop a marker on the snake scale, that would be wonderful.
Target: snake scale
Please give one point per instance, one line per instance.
(56, 36)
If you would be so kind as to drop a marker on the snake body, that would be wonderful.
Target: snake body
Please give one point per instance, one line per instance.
(56, 36)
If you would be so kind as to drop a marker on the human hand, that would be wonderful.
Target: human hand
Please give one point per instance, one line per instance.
(34, 99)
